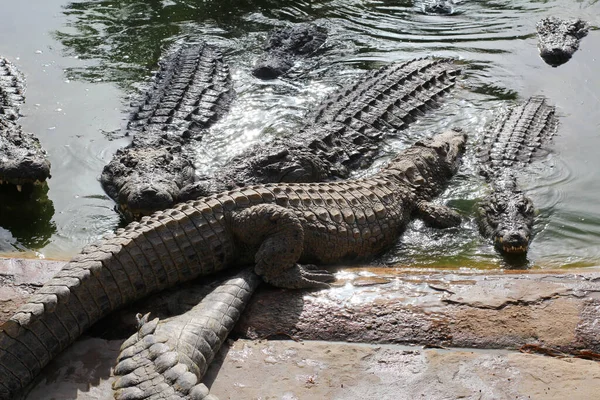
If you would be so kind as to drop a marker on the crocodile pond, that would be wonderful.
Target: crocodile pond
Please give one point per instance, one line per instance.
(86, 61)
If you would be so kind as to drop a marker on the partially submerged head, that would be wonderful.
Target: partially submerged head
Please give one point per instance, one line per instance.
(281, 161)
(146, 179)
(506, 216)
(23, 161)
(442, 7)
(558, 39)
(286, 44)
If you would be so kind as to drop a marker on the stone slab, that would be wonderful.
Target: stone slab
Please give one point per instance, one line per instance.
(290, 370)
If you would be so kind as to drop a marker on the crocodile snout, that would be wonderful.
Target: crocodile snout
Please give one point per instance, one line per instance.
(145, 200)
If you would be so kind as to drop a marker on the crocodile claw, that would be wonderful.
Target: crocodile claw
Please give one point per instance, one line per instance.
(301, 277)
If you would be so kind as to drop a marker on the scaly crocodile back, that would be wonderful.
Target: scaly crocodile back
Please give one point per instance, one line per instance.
(515, 136)
(389, 97)
(357, 118)
(347, 130)
(191, 90)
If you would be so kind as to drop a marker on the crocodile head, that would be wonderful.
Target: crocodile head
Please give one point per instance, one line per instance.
(444, 160)
(281, 161)
(427, 166)
(506, 216)
(272, 65)
(146, 179)
(284, 45)
(443, 7)
(559, 39)
(22, 159)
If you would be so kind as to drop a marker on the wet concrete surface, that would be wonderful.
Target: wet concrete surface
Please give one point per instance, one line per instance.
(492, 310)
(542, 312)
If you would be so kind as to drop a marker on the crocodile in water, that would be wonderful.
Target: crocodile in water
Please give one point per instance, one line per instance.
(345, 133)
(442, 7)
(23, 161)
(558, 39)
(191, 91)
(285, 46)
(281, 228)
(510, 143)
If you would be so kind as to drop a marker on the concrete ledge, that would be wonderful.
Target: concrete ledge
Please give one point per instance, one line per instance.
(554, 312)
(557, 311)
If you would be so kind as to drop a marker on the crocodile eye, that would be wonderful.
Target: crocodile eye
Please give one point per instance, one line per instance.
(497, 208)
(525, 207)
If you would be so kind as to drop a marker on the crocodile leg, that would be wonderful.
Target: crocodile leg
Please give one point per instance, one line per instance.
(279, 236)
(167, 359)
(437, 215)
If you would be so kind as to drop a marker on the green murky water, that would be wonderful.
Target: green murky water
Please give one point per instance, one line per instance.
(84, 61)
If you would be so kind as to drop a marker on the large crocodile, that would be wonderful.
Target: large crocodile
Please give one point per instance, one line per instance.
(23, 161)
(558, 39)
(511, 142)
(285, 45)
(345, 133)
(278, 227)
(191, 90)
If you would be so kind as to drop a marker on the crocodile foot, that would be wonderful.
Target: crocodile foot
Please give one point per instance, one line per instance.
(306, 276)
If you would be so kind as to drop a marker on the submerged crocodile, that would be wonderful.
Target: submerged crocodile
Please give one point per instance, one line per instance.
(285, 46)
(345, 133)
(23, 161)
(510, 143)
(558, 39)
(443, 7)
(278, 227)
(191, 90)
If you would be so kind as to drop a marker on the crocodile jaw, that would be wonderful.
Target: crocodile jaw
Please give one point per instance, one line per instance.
(514, 247)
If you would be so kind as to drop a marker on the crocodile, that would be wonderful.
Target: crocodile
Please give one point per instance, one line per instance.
(558, 39)
(510, 143)
(191, 90)
(285, 45)
(283, 229)
(344, 134)
(23, 161)
(442, 7)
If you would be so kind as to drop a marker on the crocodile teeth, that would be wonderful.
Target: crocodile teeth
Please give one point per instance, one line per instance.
(514, 249)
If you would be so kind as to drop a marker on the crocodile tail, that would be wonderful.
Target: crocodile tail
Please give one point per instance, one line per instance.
(159, 252)
(167, 359)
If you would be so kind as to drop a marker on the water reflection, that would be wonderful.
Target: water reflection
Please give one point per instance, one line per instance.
(25, 218)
